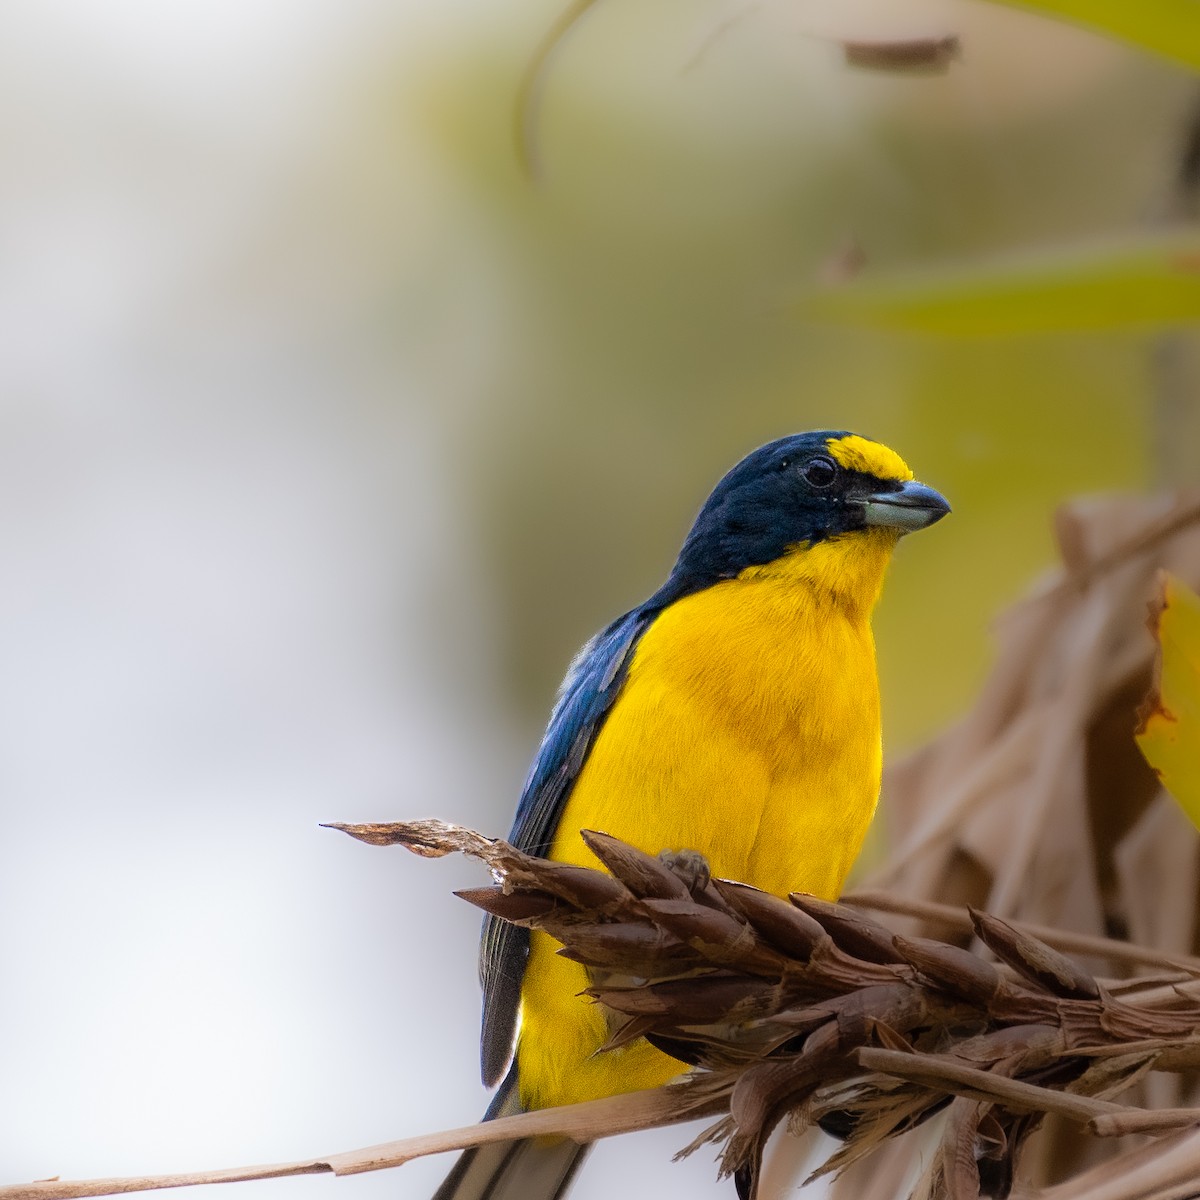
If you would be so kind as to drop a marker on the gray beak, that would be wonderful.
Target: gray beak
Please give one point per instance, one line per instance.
(913, 507)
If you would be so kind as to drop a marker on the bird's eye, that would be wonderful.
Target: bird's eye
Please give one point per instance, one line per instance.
(820, 472)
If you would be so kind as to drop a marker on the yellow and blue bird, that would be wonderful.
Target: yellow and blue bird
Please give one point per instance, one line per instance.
(735, 713)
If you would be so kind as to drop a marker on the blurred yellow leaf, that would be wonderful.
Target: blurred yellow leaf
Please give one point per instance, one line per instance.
(1167, 27)
(1169, 732)
(1148, 281)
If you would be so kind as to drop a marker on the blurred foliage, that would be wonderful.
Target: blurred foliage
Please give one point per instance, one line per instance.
(1167, 27)
(687, 196)
(1170, 730)
(1153, 280)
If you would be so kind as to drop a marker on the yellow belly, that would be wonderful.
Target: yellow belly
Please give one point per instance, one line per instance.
(747, 729)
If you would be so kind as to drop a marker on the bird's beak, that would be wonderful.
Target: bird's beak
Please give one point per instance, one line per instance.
(914, 506)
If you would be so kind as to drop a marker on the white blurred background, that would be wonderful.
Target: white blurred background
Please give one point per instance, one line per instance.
(325, 437)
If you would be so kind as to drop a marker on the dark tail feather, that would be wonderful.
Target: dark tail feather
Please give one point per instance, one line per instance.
(526, 1170)
(532, 1169)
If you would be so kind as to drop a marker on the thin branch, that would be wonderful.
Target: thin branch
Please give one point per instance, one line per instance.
(69, 1189)
(942, 1073)
(582, 1122)
(1144, 1120)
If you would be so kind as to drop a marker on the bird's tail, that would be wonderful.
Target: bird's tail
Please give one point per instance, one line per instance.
(529, 1169)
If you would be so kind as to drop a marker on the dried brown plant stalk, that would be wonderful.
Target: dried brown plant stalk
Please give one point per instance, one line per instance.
(814, 1012)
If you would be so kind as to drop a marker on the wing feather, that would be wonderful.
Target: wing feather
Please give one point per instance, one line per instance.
(592, 684)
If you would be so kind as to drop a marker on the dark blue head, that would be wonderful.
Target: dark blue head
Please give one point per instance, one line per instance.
(799, 490)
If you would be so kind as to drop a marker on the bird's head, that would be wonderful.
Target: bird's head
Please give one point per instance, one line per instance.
(798, 493)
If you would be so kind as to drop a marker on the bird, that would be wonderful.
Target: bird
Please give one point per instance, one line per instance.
(734, 715)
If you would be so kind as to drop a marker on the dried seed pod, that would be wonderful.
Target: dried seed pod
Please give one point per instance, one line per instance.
(642, 874)
(1033, 959)
(1034, 1045)
(517, 907)
(851, 931)
(699, 1000)
(584, 887)
(786, 927)
(832, 970)
(632, 948)
(954, 970)
(899, 1006)
(722, 939)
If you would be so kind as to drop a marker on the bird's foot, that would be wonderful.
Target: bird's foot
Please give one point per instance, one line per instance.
(689, 866)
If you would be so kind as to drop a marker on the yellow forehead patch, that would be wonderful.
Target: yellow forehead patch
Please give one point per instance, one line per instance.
(872, 458)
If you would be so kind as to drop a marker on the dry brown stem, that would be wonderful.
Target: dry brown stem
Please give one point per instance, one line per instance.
(815, 1012)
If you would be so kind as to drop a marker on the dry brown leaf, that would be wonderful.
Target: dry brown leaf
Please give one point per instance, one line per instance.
(903, 54)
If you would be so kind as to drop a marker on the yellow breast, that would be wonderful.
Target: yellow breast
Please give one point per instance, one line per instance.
(747, 729)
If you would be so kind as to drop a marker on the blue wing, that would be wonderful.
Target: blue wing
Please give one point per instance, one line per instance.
(587, 694)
